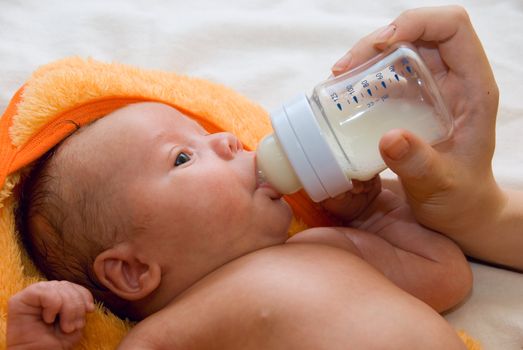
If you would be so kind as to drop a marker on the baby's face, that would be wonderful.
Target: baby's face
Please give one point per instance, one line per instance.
(194, 196)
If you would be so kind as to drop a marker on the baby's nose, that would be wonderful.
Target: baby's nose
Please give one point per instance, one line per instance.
(225, 144)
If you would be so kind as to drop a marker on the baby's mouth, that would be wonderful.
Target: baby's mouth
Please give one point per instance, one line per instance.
(263, 184)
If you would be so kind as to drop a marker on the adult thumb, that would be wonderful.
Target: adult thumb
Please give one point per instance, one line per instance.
(420, 167)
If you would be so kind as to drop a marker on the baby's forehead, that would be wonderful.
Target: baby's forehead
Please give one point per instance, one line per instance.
(147, 120)
(151, 116)
(150, 113)
(127, 128)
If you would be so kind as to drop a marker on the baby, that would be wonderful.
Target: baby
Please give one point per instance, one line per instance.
(169, 225)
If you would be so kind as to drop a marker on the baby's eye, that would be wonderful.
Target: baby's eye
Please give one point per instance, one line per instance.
(181, 158)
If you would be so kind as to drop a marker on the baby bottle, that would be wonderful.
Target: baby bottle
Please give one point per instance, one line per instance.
(322, 141)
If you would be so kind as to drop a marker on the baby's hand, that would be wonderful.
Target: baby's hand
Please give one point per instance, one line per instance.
(47, 315)
(351, 204)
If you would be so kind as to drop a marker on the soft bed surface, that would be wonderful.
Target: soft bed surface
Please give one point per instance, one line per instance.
(270, 50)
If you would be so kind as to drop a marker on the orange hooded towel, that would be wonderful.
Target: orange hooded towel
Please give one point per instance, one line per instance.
(82, 91)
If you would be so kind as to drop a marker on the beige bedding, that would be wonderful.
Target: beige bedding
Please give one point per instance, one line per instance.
(270, 50)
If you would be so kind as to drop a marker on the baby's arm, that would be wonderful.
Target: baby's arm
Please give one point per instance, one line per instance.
(47, 315)
(294, 296)
(420, 261)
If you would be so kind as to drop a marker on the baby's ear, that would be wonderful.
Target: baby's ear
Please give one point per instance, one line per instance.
(129, 277)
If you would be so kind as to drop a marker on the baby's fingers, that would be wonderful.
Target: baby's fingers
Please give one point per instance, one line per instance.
(77, 302)
(49, 299)
(86, 296)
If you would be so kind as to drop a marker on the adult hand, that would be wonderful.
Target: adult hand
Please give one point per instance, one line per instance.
(449, 186)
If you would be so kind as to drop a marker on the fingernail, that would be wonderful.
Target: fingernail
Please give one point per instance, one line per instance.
(397, 148)
(68, 328)
(385, 34)
(343, 63)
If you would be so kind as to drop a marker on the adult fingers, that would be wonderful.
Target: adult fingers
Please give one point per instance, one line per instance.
(361, 52)
(421, 169)
(448, 26)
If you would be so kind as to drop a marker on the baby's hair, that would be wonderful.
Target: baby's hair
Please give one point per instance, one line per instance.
(64, 223)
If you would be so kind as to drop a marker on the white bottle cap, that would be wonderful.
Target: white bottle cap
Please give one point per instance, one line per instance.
(311, 157)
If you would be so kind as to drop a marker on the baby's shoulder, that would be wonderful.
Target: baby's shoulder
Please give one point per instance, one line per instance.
(251, 295)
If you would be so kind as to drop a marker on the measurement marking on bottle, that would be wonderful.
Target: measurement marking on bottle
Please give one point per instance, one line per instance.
(369, 91)
(383, 84)
(409, 69)
(355, 99)
(339, 106)
(397, 77)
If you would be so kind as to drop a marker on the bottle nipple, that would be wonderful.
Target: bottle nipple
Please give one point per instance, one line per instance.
(274, 167)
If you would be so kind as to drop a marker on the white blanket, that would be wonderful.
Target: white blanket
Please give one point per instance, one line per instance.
(269, 50)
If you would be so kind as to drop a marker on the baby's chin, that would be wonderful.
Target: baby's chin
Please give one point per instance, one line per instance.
(286, 213)
(284, 208)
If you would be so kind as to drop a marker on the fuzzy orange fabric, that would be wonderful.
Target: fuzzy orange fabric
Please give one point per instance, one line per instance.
(82, 91)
